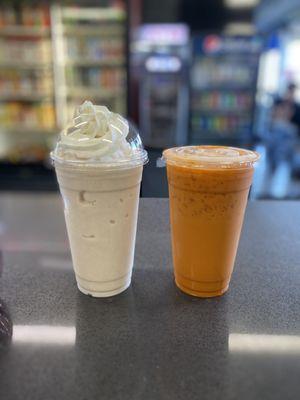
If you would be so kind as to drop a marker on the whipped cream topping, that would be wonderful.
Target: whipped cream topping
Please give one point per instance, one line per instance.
(95, 134)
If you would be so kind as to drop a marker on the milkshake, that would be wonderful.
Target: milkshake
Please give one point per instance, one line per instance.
(208, 189)
(99, 165)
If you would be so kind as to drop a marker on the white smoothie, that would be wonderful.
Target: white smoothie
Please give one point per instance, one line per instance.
(99, 175)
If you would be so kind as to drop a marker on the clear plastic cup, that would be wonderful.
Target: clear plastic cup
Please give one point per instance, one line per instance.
(101, 208)
(208, 190)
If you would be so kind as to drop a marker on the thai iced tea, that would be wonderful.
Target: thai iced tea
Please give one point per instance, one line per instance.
(208, 189)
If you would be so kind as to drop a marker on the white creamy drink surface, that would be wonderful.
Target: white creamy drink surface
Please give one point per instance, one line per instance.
(99, 172)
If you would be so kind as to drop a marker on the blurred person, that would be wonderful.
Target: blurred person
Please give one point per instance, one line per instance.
(282, 133)
(290, 99)
(280, 141)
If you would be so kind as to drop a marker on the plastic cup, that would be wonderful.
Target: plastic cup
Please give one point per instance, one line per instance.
(208, 190)
(101, 208)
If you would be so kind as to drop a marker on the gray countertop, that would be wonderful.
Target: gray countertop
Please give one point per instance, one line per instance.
(152, 341)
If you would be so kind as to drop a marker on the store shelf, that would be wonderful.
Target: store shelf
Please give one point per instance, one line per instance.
(224, 140)
(215, 134)
(19, 130)
(27, 107)
(24, 65)
(27, 31)
(95, 63)
(96, 14)
(230, 133)
(215, 105)
(215, 111)
(221, 88)
(93, 92)
(32, 96)
(82, 30)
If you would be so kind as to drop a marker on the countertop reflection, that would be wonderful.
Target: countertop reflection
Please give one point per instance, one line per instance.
(152, 341)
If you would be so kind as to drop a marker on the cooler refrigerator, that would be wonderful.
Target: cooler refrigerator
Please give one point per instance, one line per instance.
(223, 89)
(52, 58)
(163, 95)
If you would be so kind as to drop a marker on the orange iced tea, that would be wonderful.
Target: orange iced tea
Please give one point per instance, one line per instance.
(208, 189)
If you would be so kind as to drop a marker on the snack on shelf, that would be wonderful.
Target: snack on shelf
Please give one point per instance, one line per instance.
(110, 79)
(95, 48)
(27, 153)
(46, 116)
(14, 115)
(225, 125)
(224, 101)
(35, 16)
(26, 50)
(30, 82)
(206, 73)
(7, 16)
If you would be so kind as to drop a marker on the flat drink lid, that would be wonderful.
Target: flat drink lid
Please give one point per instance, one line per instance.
(211, 157)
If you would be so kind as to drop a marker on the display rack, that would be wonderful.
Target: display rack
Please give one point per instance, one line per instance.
(89, 46)
(52, 59)
(223, 89)
(27, 113)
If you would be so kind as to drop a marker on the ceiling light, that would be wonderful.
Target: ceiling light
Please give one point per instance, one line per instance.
(241, 3)
(239, 28)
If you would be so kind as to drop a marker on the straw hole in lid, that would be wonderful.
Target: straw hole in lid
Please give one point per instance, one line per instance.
(86, 236)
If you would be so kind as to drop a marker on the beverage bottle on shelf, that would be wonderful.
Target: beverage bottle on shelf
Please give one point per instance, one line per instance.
(9, 16)
(45, 15)
(215, 100)
(204, 100)
(203, 124)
